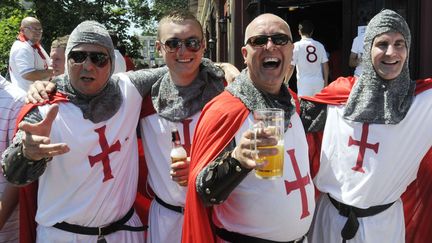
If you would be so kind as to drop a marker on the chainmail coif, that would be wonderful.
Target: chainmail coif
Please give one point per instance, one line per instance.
(103, 105)
(373, 99)
(176, 103)
(254, 99)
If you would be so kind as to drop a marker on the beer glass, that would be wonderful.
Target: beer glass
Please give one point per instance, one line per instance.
(271, 120)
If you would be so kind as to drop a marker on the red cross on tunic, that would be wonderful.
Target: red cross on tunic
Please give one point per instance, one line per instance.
(186, 135)
(104, 155)
(299, 184)
(363, 145)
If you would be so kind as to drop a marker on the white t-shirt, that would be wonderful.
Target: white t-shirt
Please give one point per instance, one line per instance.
(120, 63)
(308, 57)
(11, 101)
(23, 59)
(357, 48)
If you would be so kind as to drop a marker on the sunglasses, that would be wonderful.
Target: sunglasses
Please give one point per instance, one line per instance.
(98, 58)
(261, 40)
(192, 44)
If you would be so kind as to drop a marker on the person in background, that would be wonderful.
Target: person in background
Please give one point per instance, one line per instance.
(356, 54)
(310, 60)
(370, 152)
(11, 101)
(28, 61)
(243, 207)
(57, 55)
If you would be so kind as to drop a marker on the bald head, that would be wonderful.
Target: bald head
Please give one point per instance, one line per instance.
(32, 29)
(29, 21)
(259, 25)
(268, 53)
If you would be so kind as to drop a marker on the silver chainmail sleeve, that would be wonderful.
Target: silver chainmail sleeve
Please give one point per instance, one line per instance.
(219, 178)
(17, 169)
(145, 78)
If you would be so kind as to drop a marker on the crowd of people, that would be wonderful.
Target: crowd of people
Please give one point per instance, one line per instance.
(355, 170)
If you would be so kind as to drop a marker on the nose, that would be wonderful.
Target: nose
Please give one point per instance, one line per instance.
(181, 48)
(269, 44)
(391, 50)
(88, 64)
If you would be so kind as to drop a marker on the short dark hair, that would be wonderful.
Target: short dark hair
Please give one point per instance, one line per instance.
(306, 27)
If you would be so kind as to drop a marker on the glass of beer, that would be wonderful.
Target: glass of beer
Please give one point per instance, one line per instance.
(271, 121)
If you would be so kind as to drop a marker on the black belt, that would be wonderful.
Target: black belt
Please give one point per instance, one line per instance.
(352, 213)
(100, 231)
(240, 238)
(177, 209)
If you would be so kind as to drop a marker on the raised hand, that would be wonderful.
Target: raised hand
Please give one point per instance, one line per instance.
(39, 90)
(36, 141)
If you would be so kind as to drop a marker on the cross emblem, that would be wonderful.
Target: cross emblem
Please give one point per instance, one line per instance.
(363, 145)
(104, 155)
(299, 184)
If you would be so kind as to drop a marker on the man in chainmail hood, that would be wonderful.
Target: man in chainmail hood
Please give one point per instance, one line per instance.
(377, 99)
(88, 132)
(370, 151)
(245, 208)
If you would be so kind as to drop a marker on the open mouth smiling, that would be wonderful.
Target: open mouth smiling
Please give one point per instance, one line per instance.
(271, 62)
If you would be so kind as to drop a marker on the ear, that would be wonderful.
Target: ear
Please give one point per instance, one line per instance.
(244, 52)
(204, 43)
(159, 47)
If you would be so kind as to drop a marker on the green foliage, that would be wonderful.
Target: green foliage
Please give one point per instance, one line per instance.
(161, 7)
(59, 18)
(140, 13)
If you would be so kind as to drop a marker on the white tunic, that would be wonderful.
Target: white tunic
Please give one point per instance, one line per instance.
(77, 192)
(308, 57)
(165, 225)
(390, 163)
(23, 58)
(264, 208)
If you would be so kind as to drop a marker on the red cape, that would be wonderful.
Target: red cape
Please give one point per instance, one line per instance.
(220, 120)
(28, 194)
(417, 199)
(215, 129)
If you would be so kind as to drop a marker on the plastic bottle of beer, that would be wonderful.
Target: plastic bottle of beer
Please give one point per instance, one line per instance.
(178, 153)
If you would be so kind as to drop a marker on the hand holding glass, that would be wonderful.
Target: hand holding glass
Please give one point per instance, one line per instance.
(269, 121)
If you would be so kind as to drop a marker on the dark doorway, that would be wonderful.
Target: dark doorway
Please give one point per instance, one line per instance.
(327, 18)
